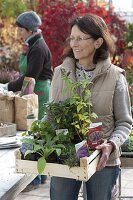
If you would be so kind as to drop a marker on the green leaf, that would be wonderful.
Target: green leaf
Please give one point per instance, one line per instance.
(27, 140)
(28, 152)
(41, 163)
(58, 151)
(79, 107)
(81, 117)
(88, 121)
(77, 126)
(58, 120)
(46, 151)
(37, 147)
(94, 115)
(59, 146)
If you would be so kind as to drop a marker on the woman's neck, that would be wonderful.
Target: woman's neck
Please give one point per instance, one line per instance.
(89, 66)
(87, 63)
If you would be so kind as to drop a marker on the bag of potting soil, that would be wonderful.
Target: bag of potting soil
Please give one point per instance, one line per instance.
(25, 106)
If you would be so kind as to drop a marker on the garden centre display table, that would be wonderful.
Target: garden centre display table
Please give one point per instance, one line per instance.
(11, 183)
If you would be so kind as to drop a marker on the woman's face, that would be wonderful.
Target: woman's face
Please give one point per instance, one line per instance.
(23, 33)
(83, 46)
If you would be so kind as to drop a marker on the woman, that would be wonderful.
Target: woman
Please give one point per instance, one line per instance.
(89, 51)
(36, 63)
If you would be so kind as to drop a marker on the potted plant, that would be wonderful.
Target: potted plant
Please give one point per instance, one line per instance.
(57, 134)
(42, 143)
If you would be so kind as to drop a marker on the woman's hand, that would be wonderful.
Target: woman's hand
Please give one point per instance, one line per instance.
(106, 149)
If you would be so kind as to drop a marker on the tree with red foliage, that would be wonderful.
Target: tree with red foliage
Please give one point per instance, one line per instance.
(56, 15)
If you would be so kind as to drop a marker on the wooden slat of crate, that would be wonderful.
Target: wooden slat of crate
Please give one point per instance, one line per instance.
(84, 172)
(8, 130)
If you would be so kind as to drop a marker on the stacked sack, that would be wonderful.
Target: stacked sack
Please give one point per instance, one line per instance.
(7, 107)
(17, 107)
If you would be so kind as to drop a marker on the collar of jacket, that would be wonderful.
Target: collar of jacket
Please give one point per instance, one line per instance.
(69, 66)
(34, 39)
(101, 67)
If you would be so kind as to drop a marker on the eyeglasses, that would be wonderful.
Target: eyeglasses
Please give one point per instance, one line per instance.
(78, 39)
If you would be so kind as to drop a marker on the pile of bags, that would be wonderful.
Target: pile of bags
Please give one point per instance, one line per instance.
(15, 108)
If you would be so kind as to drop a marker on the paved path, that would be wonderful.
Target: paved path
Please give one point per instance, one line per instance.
(42, 193)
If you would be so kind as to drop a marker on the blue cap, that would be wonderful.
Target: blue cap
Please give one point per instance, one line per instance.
(29, 20)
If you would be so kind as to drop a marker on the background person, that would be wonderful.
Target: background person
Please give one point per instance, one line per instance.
(89, 50)
(36, 63)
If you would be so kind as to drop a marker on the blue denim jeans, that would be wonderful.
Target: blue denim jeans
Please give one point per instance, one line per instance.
(98, 187)
(38, 179)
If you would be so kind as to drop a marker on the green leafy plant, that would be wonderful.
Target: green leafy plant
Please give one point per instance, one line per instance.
(128, 144)
(59, 133)
(77, 110)
(80, 100)
(72, 160)
(44, 142)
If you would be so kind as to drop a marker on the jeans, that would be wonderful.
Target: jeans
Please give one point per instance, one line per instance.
(98, 187)
(38, 179)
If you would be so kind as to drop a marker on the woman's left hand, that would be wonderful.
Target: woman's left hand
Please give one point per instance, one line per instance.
(106, 149)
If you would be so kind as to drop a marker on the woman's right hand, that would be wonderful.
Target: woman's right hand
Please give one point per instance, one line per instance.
(106, 149)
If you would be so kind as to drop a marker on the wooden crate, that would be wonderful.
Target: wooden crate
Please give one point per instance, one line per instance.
(84, 172)
(8, 130)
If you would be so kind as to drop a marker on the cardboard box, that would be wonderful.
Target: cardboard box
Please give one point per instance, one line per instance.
(83, 173)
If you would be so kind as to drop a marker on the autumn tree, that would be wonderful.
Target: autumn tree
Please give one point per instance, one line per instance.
(56, 15)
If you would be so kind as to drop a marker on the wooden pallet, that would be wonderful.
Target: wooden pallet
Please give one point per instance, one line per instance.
(83, 173)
